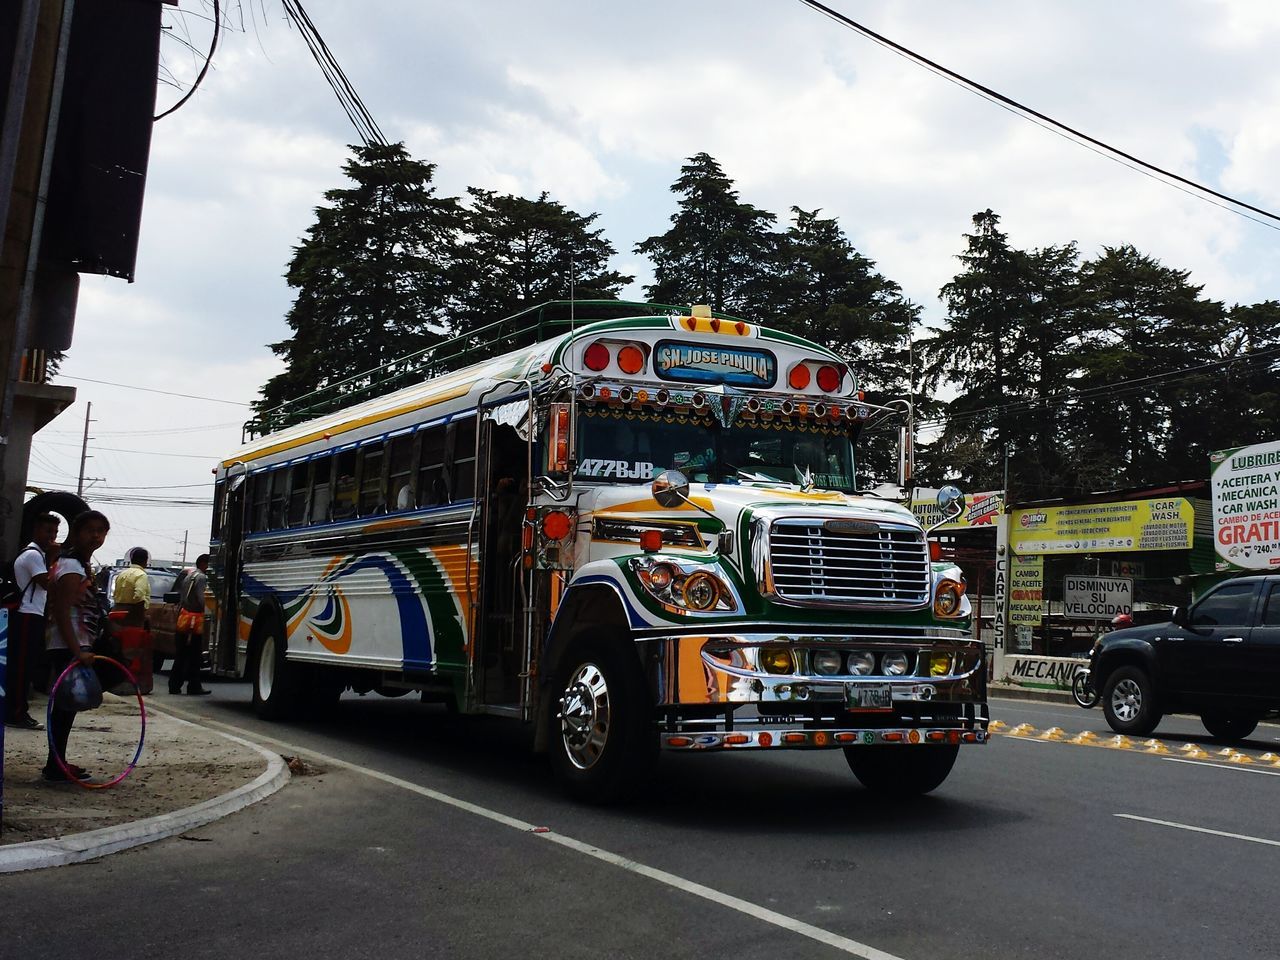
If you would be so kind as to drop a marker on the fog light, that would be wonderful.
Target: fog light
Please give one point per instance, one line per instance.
(895, 664)
(776, 659)
(861, 663)
(939, 664)
(827, 662)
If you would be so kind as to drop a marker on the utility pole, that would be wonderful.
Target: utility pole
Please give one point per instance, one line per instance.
(84, 450)
(185, 534)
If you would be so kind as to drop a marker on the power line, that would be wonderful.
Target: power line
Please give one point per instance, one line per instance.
(1198, 190)
(148, 453)
(217, 24)
(167, 393)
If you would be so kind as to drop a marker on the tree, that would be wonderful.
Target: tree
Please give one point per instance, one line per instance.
(519, 252)
(718, 247)
(373, 281)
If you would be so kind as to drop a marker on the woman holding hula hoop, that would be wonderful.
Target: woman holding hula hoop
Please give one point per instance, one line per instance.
(74, 613)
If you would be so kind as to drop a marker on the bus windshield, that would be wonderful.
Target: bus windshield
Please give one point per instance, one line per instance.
(624, 445)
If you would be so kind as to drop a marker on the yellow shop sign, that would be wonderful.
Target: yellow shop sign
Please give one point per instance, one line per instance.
(1127, 526)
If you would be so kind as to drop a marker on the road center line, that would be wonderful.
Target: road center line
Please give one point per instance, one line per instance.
(1187, 826)
(843, 944)
(1223, 766)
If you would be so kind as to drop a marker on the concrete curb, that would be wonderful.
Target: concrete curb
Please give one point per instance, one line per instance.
(78, 847)
(1002, 692)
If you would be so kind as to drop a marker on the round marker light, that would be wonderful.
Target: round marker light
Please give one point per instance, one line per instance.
(829, 379)
(700, 591)
(630, 359)
(798, 377)
(827, 662)
(596, 357)
(895, 664)
(861, 663)
(556, 525)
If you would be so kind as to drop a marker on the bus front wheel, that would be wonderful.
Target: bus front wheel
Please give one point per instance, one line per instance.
(603, 744)
(275, 680)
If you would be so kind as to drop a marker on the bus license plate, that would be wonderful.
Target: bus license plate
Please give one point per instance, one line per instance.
(869, 696)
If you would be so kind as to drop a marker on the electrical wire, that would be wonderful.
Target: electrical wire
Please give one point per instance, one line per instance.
(167, 393)
(1168, 177)
(147, 453)
(217, 24)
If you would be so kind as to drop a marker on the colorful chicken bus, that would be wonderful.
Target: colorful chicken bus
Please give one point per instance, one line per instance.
(639, 534)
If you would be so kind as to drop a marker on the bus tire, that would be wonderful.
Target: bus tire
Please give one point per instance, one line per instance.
(603, 744)
(276, 682)
(902, 771)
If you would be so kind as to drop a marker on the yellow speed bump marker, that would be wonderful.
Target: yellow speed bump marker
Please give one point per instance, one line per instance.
(1195, 753)
(1086, 737)
(1227, 752)
(1155, 746)
(1120, 742)
(1240, 758)
(1053, 733)
(1022, 730)
(1189, 748)
(1268, 758)
(997, 726)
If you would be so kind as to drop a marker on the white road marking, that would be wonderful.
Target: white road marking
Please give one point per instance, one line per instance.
(1187, 826)
(1224, 766)
(843, 944)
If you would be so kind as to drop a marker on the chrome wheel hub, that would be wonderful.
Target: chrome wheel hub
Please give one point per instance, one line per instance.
(266, 667)
(1126, 700)
(584, 716)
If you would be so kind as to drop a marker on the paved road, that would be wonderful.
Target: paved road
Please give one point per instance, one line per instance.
(1029, 849)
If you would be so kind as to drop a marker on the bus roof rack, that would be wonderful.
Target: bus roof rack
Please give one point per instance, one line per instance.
(523, 329)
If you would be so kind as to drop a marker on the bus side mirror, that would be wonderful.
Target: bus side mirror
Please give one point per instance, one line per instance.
(670, 488)
(951, 501)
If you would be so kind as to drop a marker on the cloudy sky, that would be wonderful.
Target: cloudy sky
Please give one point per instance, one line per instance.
(598, 104)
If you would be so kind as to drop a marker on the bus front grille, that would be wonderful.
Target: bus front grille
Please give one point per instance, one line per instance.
(817, 562)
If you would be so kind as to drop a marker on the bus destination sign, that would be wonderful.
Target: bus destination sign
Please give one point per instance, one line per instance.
(695, 363)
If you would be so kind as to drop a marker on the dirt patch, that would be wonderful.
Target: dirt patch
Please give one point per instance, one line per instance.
(181, 765)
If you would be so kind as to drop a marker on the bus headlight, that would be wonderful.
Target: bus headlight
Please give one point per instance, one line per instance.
(826, 662)
(894, 664)
(700, 591)
(861, 663)
(683, 587)
(948, 598)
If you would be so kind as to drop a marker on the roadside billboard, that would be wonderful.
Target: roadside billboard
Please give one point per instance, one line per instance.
(980, 509)
(1123, 526)
(1026, 591)
(1246, 507)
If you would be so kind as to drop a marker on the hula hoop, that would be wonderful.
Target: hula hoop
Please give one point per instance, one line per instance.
(53, 747)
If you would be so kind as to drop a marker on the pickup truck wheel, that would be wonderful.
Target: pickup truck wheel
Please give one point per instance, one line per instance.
(1230, 727)
(276, 683)
(602, 741)
(1129, 702)
(906, 771)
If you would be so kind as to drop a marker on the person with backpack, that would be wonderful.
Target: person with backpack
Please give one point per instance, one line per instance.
(26, 634)
(75, 610)
(190, 633)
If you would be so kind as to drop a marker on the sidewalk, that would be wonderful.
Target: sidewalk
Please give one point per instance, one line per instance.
(1011, 691)
(187, 776)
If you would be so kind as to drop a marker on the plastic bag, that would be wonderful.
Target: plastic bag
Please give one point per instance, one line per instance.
(80, 690)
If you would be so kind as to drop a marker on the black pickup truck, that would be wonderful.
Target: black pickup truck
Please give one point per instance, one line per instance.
(1219, 658)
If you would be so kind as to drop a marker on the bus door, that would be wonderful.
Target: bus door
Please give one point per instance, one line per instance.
(226, 626)
(502, 490)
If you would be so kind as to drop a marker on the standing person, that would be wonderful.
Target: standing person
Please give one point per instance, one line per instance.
(31, 574)
(75, 609)
(132, 590)
(190, 633)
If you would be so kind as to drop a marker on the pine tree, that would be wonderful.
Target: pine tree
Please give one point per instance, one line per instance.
(519, 253)
(718, 248)
(373, 282)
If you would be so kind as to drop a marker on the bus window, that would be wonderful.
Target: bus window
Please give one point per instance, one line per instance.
(344, 486)
(400, 474)
(323, 466)
(431, 488)
(464, 460)
(219, 496)
(373, 487)
(275, 511)
(259, 486)
(299, 488)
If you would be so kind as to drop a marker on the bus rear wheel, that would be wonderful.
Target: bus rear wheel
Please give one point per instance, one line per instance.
(902, 771)
(603, 744)
(276, 687)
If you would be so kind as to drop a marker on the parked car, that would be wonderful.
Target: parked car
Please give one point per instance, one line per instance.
(163, 611)
(1219, 658)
